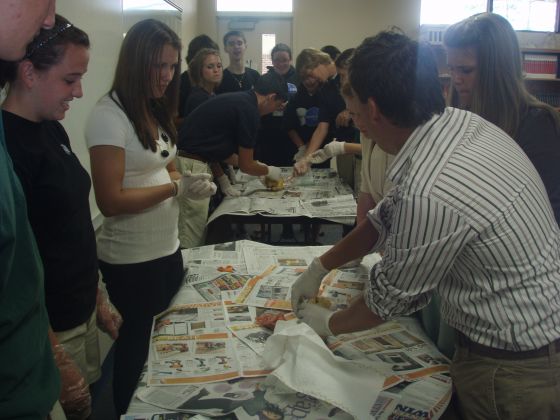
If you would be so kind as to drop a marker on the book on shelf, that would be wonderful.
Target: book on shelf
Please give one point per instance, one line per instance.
(551, 98)
(540, 65)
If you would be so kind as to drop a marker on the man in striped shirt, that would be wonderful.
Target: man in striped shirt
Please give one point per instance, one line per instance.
(469, 219)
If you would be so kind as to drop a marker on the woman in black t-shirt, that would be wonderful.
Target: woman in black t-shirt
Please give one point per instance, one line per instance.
(56, 188)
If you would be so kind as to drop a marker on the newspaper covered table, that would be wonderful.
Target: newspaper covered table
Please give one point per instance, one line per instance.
(318, 194)
(212, 355)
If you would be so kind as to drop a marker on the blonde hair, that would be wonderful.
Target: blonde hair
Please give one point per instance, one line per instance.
(308, 59)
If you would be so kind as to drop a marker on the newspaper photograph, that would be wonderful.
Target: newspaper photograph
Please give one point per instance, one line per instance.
(210, 290)
(419, 400)
(247, 398)
(189, 319)
(339, 287)
(271, 289)
(340, 206)
(211, 269)
(393, 350)
(253, 335)
(207, 358)
(239, 314)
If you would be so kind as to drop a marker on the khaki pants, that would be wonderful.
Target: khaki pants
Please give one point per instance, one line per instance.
(345, 168)
(57, 413)
(357, 174)
(489, 388)
(82, 344)
(193, 214)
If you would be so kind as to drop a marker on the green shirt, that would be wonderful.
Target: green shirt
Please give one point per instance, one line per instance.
(29, 379)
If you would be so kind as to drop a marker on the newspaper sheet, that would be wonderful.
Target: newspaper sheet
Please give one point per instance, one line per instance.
(210, 290)
(271, 289)
(320, 193)
(191, 344)
(394, 350)
(228, 251)
(413, 374)
(162, 416)
(248, 399)
(339, 287)
(340, 206)
(264, 206)
(257, 258)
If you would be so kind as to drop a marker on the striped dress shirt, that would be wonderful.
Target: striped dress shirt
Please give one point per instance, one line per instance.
(469, 219)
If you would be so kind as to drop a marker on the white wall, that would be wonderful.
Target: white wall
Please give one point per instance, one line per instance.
(346, 23)
(341, 23)
(102, 21)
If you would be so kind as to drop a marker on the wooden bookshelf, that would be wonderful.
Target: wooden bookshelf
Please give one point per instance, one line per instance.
(546, 89)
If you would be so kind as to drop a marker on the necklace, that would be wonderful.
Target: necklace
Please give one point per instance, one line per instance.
(239, 79)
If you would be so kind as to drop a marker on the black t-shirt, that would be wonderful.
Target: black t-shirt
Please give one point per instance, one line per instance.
(184, 92)
(238, 82)
(216, 128)
(302, 113)
(196, 97)
(274, 147)
(540, 141)
(57, 189)
(334, 105)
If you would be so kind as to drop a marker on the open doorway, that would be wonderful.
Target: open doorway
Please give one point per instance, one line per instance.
(261, 34)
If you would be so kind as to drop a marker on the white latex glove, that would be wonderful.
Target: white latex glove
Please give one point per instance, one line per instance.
(274, 173)
(231, 175)
(226, 187)
(307, 284)
(196, 186)
(300, 153)
(334, 148)
(316, 317)
(302, 167)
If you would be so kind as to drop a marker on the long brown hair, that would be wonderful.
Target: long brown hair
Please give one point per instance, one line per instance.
(140, 52)
(196, 65)
(500, 95)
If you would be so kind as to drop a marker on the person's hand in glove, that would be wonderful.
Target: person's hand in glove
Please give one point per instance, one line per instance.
(334, 148)
(195, 186)
(307, 284)
(109, 320)
(75, 398)
(316, 317)
(230, 171)
(301, 167)
(274, 173)
(300, 154)
(226, 187)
